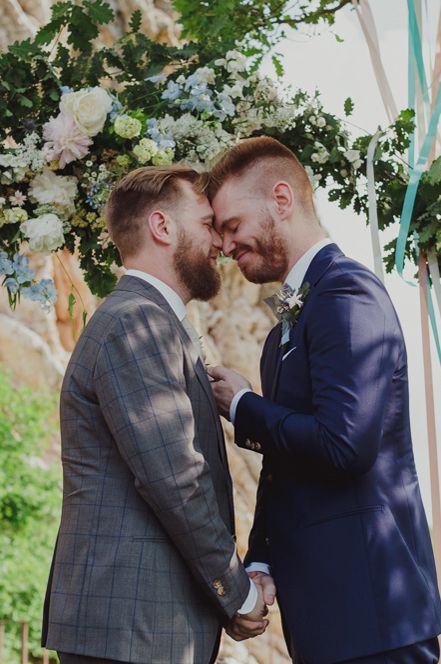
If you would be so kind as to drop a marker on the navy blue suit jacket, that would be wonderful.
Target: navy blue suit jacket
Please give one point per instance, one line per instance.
(339, 515)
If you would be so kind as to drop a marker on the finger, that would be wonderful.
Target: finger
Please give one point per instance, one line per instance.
(246, 625)
(269, 590)
(266, 582)
(251, 631)
(218, 373)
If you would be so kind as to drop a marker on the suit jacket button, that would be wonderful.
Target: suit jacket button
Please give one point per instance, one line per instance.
(248, 443)
(257, 447)
(219, 587)
(267, 541)
(269, 478)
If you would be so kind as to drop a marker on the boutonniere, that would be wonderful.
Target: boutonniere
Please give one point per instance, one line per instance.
(286, 304)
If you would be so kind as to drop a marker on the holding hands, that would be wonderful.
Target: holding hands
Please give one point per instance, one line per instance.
(252, 624)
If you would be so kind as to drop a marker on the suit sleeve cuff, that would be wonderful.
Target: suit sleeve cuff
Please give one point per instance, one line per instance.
(235, 400)
(259, 567)
(250, 601)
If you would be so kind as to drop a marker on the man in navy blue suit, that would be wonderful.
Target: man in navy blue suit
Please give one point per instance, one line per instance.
(339, 520)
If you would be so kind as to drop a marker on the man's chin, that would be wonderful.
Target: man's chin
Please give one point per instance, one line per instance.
(207, 286)
(258, 277)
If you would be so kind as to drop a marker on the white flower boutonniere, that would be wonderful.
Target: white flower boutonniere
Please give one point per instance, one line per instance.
(286, 304)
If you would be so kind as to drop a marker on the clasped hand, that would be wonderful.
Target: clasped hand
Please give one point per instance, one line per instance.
(226, 383)
(247, 625)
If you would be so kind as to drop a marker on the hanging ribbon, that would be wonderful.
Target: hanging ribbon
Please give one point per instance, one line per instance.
(430, 412)
(367, 24)
(434, 273)
(417, 50)
(373, 215)
(412, 187)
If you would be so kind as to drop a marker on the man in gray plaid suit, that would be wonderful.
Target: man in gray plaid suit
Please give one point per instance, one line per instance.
(145, 568)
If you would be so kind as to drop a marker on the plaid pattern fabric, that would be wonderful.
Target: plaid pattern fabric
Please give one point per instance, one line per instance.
(145, 567)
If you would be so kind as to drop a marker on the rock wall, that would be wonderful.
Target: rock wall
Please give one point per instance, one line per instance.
(36, 345)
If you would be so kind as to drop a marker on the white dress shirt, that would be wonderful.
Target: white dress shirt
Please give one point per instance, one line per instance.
(294, 279)
(178, 307)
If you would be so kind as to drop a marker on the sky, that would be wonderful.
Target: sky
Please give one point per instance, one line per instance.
(341, 70)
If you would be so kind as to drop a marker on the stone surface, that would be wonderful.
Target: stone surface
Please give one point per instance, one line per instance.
(28, 356)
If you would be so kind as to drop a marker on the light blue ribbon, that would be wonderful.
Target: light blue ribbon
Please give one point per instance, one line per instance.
(412, 188)
(415, 40)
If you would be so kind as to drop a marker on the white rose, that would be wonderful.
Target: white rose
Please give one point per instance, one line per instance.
(321, 122)
(352, 155)
(44, 233)
(89, 107)
(206, 75)
(47, 187)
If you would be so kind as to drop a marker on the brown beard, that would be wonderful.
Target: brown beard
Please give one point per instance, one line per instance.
(273, 263)
(193, 268)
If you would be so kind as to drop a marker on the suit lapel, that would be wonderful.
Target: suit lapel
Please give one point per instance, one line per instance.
(271, 368)
(269, 360)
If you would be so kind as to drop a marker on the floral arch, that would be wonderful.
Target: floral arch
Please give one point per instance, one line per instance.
(74, 119)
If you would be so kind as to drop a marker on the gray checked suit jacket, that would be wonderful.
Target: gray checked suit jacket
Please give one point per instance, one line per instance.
(145, 568)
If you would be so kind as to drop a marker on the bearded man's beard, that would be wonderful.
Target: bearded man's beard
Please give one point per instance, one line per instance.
(270, 258)
(194, 269)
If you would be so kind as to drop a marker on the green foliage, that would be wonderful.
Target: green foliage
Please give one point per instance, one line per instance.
(29, 509)
(218, 25)
(348, 106)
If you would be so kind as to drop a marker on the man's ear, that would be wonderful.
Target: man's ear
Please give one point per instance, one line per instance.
(160, 227)
(283, 197)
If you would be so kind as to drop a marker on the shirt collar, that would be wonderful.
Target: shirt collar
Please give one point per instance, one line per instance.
(299, 269)
(168, 293)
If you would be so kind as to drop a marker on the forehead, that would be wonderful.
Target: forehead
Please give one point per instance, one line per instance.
(234, 199)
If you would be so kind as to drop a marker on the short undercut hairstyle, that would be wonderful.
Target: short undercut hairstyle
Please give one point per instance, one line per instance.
(137, 194)
(268, 159)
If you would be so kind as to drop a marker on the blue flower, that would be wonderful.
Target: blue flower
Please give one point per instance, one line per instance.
(163, 141)
(116, 108)
(23, 273)
(226, 106)
(5, 264)
(43, 292)
(12, 285)
(156, 78)
(200, 101)
(172, 91)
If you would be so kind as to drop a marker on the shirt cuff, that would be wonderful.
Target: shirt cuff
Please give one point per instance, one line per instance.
(259, 567)
(235, 400)
(250, 601)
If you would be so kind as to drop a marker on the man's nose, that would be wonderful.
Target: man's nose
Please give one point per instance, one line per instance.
(216, 240)
(228, 245)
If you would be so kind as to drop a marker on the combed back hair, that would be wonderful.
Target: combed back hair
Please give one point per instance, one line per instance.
(137, 194)
(268, 160)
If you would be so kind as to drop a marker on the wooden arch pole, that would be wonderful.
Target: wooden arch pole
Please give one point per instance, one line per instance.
(430, 414)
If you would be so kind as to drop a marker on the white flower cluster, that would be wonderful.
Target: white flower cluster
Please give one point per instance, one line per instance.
(353, 157)
(26, 156)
